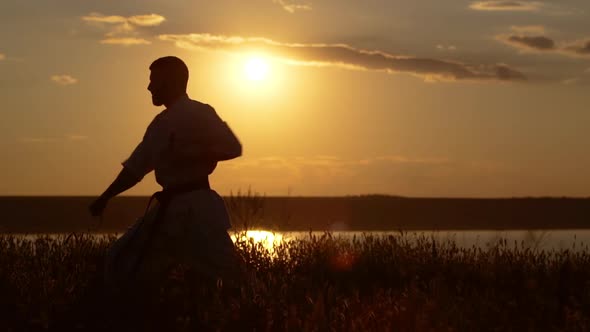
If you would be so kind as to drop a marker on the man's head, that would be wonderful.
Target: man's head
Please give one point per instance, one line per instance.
(168, 79)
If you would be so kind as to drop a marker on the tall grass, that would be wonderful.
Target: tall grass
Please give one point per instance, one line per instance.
(322, 283)
(246, 209)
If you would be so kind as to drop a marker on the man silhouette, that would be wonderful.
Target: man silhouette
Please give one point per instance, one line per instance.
(189, 223)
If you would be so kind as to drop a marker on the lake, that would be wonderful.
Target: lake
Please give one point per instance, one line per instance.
(534, 239)
(575, 240)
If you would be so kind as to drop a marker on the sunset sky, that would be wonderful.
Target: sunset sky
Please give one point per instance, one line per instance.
(416, 98)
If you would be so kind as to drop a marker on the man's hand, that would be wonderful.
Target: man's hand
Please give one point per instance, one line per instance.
(125, 180)
(98, 206)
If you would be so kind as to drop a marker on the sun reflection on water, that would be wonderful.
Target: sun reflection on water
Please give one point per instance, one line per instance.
(268, 239)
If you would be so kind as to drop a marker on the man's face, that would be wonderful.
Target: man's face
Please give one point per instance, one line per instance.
(158, 88)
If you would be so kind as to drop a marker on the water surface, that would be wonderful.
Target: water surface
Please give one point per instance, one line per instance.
(577, 239)
(534, 239)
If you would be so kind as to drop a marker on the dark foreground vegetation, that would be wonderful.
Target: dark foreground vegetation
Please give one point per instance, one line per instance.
(320, 284)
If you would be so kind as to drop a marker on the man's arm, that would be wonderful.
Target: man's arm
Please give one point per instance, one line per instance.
(221, 145)
(125, 180)
(225, 147)
(140, 163)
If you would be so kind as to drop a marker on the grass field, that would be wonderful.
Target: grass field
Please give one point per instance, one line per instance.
(318, 284)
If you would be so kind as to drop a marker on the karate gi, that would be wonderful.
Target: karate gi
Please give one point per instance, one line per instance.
(193, 229)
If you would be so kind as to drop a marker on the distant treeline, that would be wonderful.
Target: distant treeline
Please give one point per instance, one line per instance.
(370, 212)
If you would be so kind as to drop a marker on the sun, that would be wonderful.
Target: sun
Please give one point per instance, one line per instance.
(257, 76)
(256, 69)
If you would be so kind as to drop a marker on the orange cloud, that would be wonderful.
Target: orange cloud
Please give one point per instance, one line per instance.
(540, 43)
(579, 48)
(63, 79)
(148, 20)
(292, 6)
(450, 48)
(526, 6)
(125, 41)
(345, 56)
(122, 30)
(76, 137)
(138, 20)
(543, 44)
(99, 18)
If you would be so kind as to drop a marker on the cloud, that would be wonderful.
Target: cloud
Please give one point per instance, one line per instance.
(449, 48)
(540, 7)
(149, 20)
(345, 56)
(137, 20)
(570, 81)
(127, 41)
(64, 79)
(121, 30)
(541, 43)
(99, 18)
(520, 6)
(505, 73)
(581, 80)
(76, 137)
(544, 44)
(581, 48)
(292, 6)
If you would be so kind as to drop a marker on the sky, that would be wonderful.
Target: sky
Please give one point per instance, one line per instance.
(328, 98)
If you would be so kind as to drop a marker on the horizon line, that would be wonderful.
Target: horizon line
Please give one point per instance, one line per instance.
(324, 196)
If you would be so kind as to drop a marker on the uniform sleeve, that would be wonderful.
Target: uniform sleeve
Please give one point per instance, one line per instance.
(213, 141)
(224, 144)
(143, 159)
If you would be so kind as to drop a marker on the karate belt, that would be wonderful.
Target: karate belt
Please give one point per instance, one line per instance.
(165, 197)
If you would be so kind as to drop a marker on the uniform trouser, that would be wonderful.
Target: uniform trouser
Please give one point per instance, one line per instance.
(192, 233)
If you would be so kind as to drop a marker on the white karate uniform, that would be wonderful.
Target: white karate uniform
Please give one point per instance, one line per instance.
(194, 228)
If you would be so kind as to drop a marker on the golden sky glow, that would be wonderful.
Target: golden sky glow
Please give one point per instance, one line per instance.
(434, 98)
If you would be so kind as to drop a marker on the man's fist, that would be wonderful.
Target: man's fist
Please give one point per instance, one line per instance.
(97, 207)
